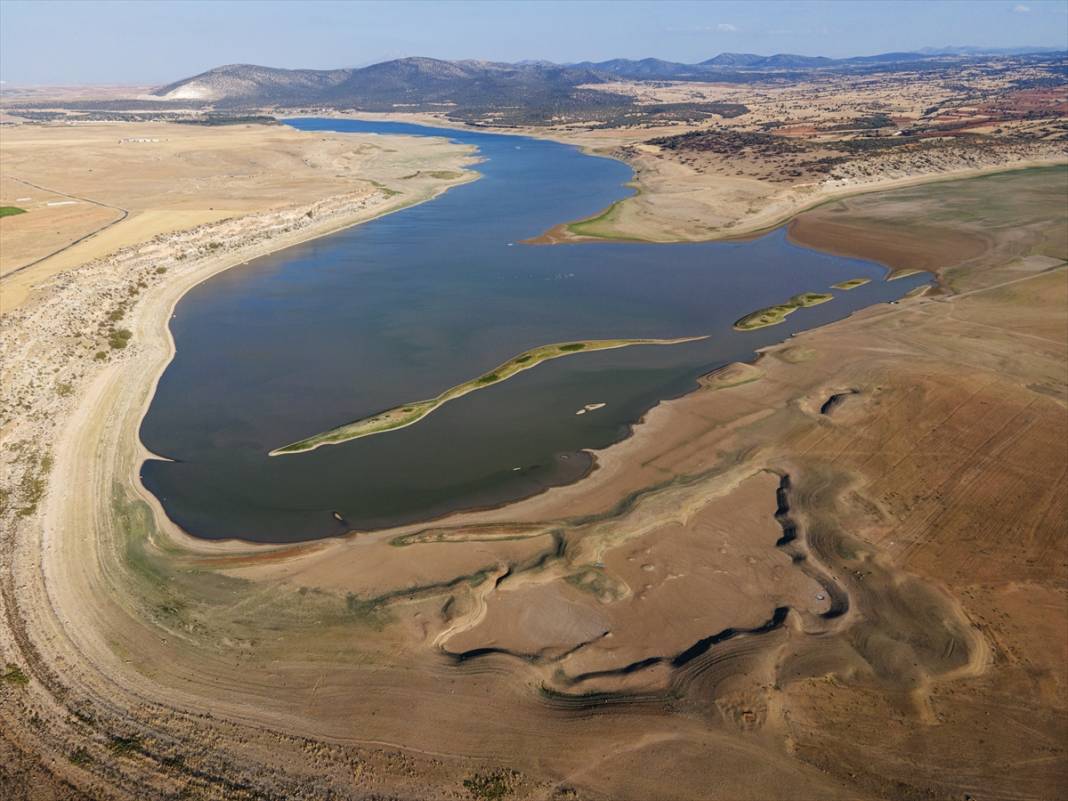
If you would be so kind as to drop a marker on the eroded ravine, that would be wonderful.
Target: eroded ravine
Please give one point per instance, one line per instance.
(859, 600)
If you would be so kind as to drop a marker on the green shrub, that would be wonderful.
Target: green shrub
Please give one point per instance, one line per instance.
(14, 675)
(121, 746)
(490, 786)
(119, 338)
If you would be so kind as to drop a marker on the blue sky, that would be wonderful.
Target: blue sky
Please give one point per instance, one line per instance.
(141, 41)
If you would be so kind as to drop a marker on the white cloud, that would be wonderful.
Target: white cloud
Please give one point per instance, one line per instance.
(1021, 9)
(721, 27)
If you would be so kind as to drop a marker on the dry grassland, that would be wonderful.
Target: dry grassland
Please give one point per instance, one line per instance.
(159, 178)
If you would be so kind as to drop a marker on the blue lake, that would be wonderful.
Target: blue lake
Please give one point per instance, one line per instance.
(403, 307)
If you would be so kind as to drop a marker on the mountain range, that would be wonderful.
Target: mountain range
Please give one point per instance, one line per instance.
(428, 83)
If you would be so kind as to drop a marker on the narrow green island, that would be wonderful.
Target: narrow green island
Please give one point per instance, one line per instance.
(11, 211)
(409, 413)
(773, 315)
(903, 273)
(852, 283)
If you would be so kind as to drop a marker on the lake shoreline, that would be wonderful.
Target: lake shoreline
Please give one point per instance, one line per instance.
(168, 277)
(210, 270)
(212, 267)
(773, 213)
(538, 436)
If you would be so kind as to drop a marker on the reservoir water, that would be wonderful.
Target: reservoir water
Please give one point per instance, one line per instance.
(408, 305)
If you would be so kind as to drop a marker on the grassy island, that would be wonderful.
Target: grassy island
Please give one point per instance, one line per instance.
(852, 283)
(773, 315)
(593, 225)
(11, 211)
(903, 273)
(409, 413)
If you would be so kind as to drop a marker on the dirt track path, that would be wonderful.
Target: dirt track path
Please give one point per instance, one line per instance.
(124, 213)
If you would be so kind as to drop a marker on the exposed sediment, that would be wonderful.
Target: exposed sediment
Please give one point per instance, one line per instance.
(157, 665)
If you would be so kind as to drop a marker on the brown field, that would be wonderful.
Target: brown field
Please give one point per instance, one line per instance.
(837, 573)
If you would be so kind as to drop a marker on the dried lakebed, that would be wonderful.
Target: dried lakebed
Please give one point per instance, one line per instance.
(338, 329)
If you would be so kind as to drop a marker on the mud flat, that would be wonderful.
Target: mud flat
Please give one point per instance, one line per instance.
(747, 599)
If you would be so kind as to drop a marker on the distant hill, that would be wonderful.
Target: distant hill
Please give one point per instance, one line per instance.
(416, 82)
(986, 51)
(428, 81)
(431, 84)
(790, 61)
(734, 60)
(887, 58)
(777, 61)
(643, 69)
(248, 83)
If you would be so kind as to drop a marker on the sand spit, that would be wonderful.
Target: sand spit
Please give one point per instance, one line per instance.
(749, 598)
(590, 407)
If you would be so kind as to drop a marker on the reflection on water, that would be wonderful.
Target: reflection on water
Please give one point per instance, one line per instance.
(415, 302)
